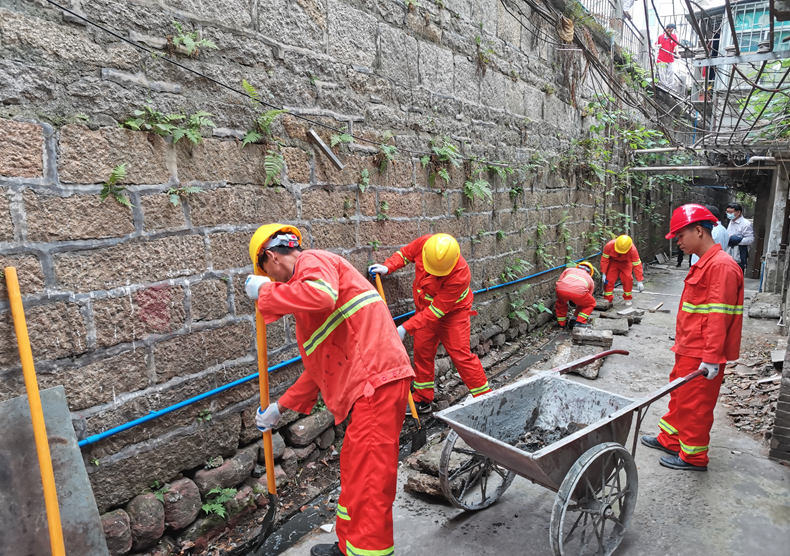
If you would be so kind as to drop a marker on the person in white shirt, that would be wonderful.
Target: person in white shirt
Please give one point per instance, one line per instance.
(719, 232)
(741, 235)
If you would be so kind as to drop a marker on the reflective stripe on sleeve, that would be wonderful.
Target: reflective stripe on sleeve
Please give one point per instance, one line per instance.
(402, 256)
(438, 312)
(637, 263)
(605, 256)
(351, 550)
(320, 285)
(459, 300)
(337, 317)
(707, 308)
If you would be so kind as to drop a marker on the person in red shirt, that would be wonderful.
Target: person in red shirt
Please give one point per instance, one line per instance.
(443, 300)
(352, 355)
(667, 47)
(708, 335)
(575, 285)
(619, 260)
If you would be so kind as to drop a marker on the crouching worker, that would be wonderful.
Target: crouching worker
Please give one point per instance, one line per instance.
(708, 335)
(443, 301)
(352, 354)
(620, 259)
(575, 285)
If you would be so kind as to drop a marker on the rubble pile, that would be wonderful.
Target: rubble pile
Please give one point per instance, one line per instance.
(751, 390)
(537, 438)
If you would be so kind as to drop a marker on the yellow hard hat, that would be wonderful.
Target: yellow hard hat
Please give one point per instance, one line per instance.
(590, 268)
(623, 244)
(440, 254)
(262, 235)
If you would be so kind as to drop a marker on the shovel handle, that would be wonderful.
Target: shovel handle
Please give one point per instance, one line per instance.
(413, 409)
(263, 374)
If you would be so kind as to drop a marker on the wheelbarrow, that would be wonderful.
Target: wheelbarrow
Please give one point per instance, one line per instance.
(594, 476)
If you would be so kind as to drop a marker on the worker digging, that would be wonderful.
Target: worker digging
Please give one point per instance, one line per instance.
(443, 300)
(575, 286)
(620, 260)
(709, 323)
(352, 355)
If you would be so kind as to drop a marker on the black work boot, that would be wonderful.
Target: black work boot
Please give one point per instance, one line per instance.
(674, 462)
(571, 323)
(325, 550)
(652, 442)
(423, 408)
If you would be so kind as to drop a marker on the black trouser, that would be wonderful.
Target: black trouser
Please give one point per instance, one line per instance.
(680, 256)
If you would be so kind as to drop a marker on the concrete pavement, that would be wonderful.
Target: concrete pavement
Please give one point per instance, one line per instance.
(740, 506)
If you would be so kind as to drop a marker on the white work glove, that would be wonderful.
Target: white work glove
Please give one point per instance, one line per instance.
(401, 332)
(712, 369)
(378, 269)
(640, 287)
(603, 278)
(253, 284)
(265, 420)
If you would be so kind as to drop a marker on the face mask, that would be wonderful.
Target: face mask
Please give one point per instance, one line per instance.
(730, 216)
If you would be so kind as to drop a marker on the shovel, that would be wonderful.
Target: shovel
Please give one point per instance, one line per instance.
(419, 438)
(263, 374)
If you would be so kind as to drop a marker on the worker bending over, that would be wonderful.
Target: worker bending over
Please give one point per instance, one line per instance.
(620, 258)
(353, 356)
(575, 285)
(443, 300)
(708, 335)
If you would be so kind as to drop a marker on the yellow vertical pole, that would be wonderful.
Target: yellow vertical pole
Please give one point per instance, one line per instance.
(36, 414)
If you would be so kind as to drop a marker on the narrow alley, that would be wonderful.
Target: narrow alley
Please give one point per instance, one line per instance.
(740, 506)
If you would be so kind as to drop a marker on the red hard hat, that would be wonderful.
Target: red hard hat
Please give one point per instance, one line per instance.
(688, 214)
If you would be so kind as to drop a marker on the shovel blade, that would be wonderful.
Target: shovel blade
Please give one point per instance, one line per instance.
(267, 527)
(418, 440)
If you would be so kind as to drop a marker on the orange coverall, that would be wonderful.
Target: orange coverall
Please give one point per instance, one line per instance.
(615, 265)
(443, 309)
(709, 324)
(352, 354)
(576, 285)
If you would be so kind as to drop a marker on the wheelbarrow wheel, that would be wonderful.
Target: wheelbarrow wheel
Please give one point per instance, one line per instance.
(594, 503)
(470, 480)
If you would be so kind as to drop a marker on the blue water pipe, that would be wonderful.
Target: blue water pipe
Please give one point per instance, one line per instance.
(156, 414)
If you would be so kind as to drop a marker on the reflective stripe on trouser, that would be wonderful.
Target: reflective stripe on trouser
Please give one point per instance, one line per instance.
(624, 273)
(453, 332)
(369, 471)
(585, 304)
(686, 426)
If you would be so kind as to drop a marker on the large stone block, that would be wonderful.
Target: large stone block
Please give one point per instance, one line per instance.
(322, 203)
(402, 204)
(209, 300)
(335, 236)
(156, 310)
(160, 214)
(22, 150)
(134, 261)
(297, 163)
(117, 481)
(241, 204)
(230, 250)
(592, 337)
(56, 330)
(352, 34)
(191, 353)
(89, 156)
(117, 532)
(228, 13)
(101, 381)
(232, 472)
(182, 503)
(389, 233)
(214, 160)
(6, 224)
(304, 431)
(492, 89)
(147, 520)
(398, 56)
(29, 273)
(302, 23)
(55, 218)
(436, 68)
(466, 81)
(617, 326)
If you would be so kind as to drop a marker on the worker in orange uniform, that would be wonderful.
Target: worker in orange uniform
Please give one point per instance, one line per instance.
(708, 335)
(620, 258)
(575, 285)
(443, 300)
(353, 356)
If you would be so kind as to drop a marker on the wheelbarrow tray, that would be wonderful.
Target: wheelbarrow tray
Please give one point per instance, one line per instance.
(490, 423)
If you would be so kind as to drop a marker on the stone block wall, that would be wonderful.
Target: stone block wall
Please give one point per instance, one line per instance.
(135, 309)
(780, 436)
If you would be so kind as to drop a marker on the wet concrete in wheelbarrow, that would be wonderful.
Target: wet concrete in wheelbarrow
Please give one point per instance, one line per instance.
(741, 506)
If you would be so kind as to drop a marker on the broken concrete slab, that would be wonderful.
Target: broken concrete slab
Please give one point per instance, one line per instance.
(593, 337)
(602, 305)
(617, 326)
(422, 483)
(631, 312)
(765, 306)
(567, 352)
(778, 358)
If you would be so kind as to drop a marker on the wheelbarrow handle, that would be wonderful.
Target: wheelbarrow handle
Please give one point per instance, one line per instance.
(584, 361)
